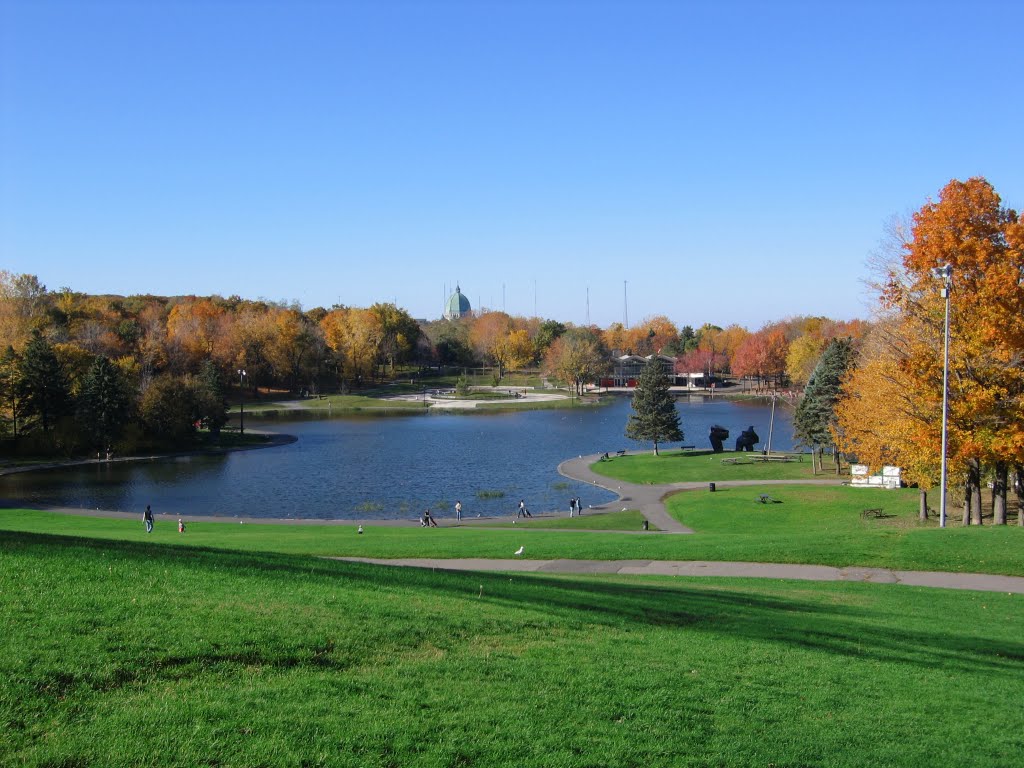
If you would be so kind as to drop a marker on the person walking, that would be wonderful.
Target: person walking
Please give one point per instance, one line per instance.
(579, 509)
(181, 525)
(430, 519)
(572, 506)
(147, 518)
(458, 510)
(522, 509)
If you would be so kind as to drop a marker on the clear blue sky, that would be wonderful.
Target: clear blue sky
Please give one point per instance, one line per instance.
(734, 161)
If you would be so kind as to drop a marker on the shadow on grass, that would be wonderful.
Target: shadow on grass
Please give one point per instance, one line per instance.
(746, 612)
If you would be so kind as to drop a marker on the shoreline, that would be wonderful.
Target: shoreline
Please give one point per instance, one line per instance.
(275, 440)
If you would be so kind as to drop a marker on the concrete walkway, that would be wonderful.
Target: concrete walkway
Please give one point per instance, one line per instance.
(975, 581)
(650, 499)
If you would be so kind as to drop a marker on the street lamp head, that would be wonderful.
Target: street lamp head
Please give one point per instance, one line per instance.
(943, 273)
(241, 372)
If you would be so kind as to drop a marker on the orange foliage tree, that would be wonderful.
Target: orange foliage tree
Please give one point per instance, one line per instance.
(969, 229)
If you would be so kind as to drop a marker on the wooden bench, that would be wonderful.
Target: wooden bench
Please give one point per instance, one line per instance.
(621, 453)
(687, 447)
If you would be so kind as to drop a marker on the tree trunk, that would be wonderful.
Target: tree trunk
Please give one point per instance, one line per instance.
(837, 459)
(1018, 490)
(974, 475)
(655, 447)
(922, 513)
(999, 494)
(967, 500)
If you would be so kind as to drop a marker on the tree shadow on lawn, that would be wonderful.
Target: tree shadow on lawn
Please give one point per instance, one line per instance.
(744, 612)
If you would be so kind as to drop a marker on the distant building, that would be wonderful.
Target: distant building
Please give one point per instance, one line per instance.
(457, 306)
(626, 370)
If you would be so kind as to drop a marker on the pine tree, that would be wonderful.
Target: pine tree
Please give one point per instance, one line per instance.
(44, 385)
(815, 416)
(103, 403)
(654, 416)
(212, 398)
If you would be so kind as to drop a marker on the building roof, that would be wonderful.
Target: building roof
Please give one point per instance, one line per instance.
(457, 306)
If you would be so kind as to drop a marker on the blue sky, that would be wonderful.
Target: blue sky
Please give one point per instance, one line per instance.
(734, 162)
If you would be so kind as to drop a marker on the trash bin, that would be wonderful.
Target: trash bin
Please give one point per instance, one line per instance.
(646, 525)
(711, 487)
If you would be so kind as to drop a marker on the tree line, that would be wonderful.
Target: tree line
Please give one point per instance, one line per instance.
(160, 369)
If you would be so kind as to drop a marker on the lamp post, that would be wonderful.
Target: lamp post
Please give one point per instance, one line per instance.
(945, 274)
(241, 393)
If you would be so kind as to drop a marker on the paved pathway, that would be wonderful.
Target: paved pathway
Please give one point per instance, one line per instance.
(976, 581)
(649, 499)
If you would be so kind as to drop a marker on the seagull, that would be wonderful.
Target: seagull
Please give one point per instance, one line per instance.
(360, 529)
(520, 550)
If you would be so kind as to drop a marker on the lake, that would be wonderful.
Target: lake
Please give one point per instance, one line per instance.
(387, 467)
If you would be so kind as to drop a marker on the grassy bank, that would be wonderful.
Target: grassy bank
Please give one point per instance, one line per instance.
(126, 654)
(676, 466)
(820, 530)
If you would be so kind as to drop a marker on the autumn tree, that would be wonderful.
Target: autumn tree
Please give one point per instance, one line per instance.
(398, 334)
(10, 387)
(513, 350)
(577, 357)
(762, 355)
(487, 332)
(23, 304)
(969, 229)
(654, 416)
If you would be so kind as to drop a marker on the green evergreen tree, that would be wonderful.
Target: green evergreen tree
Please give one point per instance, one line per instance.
(654, 416)
(104, 403)
(211, 398)
(816, 412)
(44, 386)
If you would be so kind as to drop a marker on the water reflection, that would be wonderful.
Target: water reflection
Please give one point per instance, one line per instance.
(347, 468)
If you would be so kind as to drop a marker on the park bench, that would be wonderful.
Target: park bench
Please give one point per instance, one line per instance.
(621, 453)
(687, 447)
(876, 513)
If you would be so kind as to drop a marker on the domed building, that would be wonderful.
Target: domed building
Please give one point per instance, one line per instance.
(457, 306)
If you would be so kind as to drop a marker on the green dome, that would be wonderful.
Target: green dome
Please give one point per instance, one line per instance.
(457, 306)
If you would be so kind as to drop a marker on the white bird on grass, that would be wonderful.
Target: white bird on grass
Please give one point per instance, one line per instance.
(520, 550)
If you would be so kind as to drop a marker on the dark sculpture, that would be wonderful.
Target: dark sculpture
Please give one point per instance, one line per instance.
(747, 439)
(718, 434)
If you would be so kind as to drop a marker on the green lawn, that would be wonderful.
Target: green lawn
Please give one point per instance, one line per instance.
(629, 520)
(677, 466)
(731, 525)
(126, 654)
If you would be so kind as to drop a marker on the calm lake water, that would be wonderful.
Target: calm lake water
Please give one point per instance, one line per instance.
(387, 467)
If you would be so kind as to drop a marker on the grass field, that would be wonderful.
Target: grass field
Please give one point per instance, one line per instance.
(812, 525)
(701, 466)
(629, 520)
(128, 654)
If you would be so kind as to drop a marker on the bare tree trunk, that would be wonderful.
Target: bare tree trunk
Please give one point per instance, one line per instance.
(922, 513)
(974, 476)
(837, 459)
(999, 494)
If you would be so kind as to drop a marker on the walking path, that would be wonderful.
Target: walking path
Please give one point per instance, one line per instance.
(976, 581)
(650, 499)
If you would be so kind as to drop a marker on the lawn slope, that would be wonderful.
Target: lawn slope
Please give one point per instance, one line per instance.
(126, 654)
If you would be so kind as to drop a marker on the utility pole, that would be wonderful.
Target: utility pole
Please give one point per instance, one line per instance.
(625, 304)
